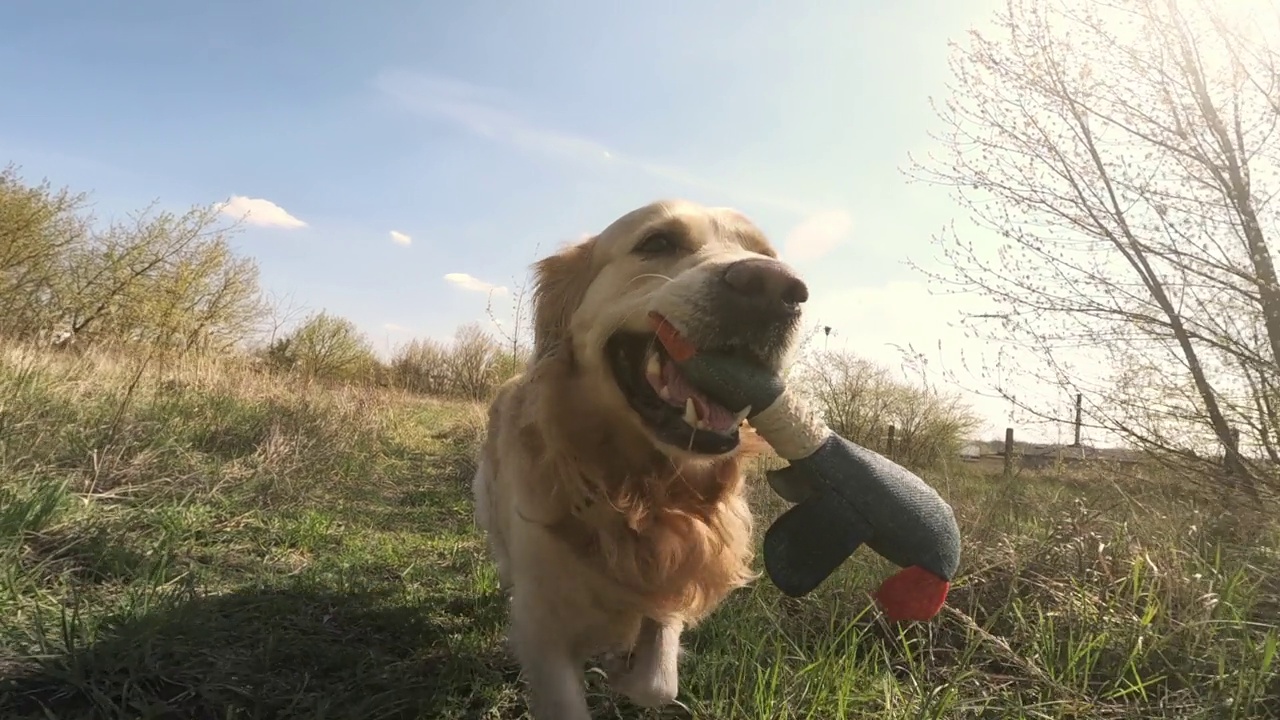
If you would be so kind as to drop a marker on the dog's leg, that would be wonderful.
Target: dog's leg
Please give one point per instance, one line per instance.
(653, 677)
(481, 489)
(554, 676)
(498, 550)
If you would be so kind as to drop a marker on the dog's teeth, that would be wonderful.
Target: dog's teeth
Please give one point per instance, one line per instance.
(742, 415)
(653, 368)
(665, 393)
(690, 412)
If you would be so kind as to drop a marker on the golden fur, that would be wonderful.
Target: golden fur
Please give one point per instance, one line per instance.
(608, 540)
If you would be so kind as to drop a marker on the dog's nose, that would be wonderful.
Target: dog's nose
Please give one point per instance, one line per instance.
(767, 282)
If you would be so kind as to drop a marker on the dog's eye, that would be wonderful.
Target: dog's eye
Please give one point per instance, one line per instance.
(659, 243)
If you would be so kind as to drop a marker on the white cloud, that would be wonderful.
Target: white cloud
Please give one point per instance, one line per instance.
(818, 235)
(485, 112)
(400, 238)
(478, 110)
(394, 328)
(260, 212)
(474, 284)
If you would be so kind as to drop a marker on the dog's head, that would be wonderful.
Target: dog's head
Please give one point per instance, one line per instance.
(710, 272)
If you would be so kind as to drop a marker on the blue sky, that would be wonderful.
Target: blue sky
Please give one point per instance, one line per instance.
(490, 133)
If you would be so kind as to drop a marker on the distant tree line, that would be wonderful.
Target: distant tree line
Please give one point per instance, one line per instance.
(172, 283)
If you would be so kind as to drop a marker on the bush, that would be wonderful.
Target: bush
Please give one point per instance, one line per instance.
(470, 368)
(471, 363)
(861, 400)
(422, 366)
(158, 279)
(325, 346)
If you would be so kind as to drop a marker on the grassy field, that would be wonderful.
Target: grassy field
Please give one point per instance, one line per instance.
(206, 542)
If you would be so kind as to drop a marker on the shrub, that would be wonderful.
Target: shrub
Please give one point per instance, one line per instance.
(325, 346)
(860, 400)
(422, 366)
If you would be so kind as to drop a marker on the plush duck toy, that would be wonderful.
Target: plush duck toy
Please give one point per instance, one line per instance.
(844, 495)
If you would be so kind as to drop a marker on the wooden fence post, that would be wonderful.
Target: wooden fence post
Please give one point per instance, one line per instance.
(1008, 453)
(1079, 417)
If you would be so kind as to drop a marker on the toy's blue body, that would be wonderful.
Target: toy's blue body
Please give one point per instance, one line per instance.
(845, 495)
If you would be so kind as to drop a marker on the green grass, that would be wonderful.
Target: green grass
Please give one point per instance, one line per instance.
(208, 542)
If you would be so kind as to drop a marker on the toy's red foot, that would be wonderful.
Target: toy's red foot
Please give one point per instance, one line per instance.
(912, 594)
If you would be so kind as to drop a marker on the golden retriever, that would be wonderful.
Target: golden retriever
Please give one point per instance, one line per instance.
(609, 489)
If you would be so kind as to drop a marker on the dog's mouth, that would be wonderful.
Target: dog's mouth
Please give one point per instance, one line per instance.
(674, 410)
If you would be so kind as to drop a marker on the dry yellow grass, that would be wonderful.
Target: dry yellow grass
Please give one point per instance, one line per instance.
(203, 540)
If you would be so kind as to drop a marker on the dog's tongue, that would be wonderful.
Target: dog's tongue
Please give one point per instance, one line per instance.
(716, 416)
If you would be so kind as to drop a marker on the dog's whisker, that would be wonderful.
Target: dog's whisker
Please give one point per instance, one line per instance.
(624, 319)
(644, 276)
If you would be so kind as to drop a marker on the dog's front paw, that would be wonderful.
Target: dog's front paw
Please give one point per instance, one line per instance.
(615, 665)
(645, 689)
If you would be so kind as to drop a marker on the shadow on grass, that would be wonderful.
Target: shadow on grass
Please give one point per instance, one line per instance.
(86, 552)
(291, 652)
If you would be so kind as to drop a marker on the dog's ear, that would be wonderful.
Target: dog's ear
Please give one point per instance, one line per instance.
(560, 282)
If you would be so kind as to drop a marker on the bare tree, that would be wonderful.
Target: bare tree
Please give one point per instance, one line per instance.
(474, 363)
(280, 313)
(517, 337)
(1122, 157)
(422, 366)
